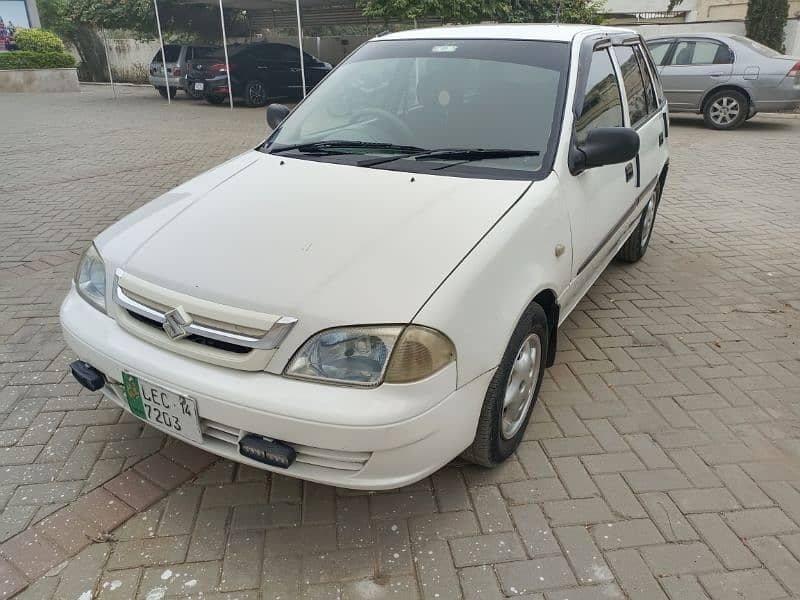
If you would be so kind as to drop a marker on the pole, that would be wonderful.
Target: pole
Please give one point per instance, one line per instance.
(163, 54)
(225, 49)
(300, 45)
(108, 64)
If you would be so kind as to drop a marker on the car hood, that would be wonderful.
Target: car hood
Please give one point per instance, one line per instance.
(328, 244)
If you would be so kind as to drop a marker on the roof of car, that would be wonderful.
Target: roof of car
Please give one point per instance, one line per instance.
(521, 31)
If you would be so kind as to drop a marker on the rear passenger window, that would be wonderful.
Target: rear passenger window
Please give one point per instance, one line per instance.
(602, 106)
(633, 80)
(649, 87)
(702, 53)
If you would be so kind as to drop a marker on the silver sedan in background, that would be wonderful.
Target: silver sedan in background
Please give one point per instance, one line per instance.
(727, 78)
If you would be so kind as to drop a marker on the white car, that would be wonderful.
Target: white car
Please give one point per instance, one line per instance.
(376, 289)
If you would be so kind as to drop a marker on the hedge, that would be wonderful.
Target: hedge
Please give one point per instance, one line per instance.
(38, 40)
(35, 60)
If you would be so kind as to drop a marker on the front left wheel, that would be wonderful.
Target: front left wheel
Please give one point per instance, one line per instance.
(513, 391)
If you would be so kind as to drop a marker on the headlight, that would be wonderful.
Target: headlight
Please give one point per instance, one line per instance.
(367, 356)
(90, 278)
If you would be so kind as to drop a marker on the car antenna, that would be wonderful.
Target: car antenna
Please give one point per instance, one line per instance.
(383, 33)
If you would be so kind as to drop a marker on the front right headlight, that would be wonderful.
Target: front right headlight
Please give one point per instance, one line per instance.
(90, 278)
(369, 355)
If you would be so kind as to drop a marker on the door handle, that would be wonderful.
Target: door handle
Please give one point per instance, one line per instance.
(717, 74)
(661, 139)
(628, 171)
(263, 68)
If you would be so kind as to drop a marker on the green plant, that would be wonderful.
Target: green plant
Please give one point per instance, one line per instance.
(766, 22)
(38, 40)
(23, 59)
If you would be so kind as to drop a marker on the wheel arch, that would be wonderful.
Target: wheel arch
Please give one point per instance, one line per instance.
(725, 86)
(548, 300)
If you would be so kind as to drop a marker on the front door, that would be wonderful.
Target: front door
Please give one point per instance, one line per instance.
(695, 66)
(599, 199)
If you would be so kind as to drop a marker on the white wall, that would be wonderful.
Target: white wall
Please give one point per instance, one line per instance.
(645, 6)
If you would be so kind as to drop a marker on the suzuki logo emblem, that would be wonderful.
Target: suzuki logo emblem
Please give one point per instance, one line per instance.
(176, 322)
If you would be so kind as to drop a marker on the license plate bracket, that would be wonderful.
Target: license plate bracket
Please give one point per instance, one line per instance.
(270, 452)
(199, 86)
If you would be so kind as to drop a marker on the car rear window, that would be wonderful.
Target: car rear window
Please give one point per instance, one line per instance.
(173, 52)
(760, 48)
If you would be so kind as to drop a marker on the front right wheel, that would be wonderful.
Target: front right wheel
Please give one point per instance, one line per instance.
(512, 393)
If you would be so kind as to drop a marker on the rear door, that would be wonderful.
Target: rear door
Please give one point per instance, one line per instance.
(646, 109)
(695, 66)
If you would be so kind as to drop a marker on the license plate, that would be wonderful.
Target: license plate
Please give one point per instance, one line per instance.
(199, 86)
(171, 412)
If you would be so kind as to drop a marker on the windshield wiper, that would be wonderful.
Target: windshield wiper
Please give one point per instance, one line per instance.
(332, 146)
(470, 154)
(457, 154)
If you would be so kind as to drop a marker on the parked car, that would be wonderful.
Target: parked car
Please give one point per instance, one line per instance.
(377, 287)
(727, 78)
(177, 58)
(259, 72)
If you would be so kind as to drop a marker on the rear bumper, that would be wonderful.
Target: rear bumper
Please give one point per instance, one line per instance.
(784, 97)
(397, 434)
(157, 81)
(215, 86)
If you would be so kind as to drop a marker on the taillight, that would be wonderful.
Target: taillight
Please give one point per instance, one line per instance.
(795, 70)
(220, 67)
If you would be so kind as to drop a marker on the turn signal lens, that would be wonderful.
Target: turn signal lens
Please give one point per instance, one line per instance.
(418, 354)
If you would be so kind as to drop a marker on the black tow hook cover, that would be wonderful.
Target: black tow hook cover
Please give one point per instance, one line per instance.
(87, 375)
(269, 452)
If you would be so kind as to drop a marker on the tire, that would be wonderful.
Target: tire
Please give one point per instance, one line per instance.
(255, 93)
(750, 116)
(726, 109)
(497, 438)
(163, 92)
(215, 99)
(638, 242)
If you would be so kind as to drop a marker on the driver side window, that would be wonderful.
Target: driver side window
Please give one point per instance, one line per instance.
(602, 102)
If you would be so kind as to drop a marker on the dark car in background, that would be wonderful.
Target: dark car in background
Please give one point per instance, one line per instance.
(258, 73)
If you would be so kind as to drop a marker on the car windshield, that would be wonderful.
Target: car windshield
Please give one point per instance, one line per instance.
(486, 107)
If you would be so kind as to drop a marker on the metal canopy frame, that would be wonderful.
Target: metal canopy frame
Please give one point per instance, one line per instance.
(243, 4)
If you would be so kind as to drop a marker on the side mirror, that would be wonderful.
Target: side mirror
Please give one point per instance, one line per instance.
(604, 146)
(276, 113)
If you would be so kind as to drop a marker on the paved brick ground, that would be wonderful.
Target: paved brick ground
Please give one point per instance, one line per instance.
(663, 460)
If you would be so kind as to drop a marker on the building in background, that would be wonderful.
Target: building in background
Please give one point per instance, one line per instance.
(642, 11)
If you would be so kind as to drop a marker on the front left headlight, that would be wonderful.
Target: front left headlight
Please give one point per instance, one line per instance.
(367, 356)
(90, 278)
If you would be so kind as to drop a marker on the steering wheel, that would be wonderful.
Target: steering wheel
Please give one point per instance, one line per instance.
(389, 122)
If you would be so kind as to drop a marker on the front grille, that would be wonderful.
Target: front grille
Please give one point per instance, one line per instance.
(197, 339)
(324, 458)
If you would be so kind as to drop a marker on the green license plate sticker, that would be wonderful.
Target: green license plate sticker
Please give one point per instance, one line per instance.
(134, 395)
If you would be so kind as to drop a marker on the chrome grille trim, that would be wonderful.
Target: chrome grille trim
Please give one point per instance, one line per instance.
(270, 341)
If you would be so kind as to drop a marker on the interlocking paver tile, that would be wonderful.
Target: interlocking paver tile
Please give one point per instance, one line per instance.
(676, 390)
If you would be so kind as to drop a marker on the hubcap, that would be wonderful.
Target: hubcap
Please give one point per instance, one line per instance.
(724, 110)
(647, 220)
(256, 93)
(520, 386)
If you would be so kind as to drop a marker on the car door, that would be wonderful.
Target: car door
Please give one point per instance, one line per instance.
(598, 199)
(695, 66)
(646, 112)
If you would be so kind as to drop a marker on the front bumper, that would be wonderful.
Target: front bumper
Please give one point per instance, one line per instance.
(395, 434)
